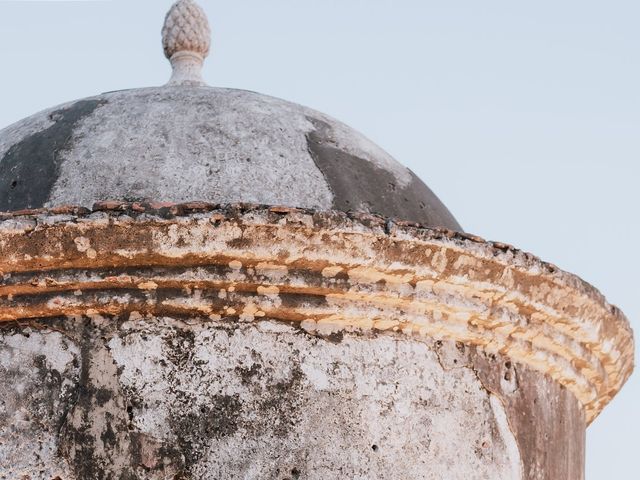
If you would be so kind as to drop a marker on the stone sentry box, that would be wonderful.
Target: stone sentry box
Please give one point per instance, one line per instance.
(226, 340)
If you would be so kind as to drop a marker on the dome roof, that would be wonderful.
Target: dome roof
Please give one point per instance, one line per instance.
(186, 143)
(190, 142)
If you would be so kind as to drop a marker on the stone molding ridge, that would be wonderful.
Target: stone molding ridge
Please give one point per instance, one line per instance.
(325, 272)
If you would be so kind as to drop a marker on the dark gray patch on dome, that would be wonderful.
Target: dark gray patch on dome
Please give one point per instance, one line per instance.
(358, 185)
(30, 168)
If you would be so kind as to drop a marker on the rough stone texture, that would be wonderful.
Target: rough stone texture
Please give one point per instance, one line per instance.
(180, 144)
(29, 169)
(323, 270)
(39, 374)
(150, 341)
(157, 398)
(154, 341)
(544, 417)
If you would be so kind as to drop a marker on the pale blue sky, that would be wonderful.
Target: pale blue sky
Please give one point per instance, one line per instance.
(524, 117)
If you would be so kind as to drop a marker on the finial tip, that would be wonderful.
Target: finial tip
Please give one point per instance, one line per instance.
(186, 39)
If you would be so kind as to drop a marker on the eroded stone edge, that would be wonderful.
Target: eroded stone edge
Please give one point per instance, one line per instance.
(609, 320)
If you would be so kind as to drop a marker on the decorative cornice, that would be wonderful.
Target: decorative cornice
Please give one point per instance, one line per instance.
(325, 271)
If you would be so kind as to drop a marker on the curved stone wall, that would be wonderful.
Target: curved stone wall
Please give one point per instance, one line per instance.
(197, 341)
(156, 398)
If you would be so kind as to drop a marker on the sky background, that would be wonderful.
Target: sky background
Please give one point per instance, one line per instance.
(524, 117)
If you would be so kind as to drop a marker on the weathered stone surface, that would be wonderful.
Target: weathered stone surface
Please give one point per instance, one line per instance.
(323, 270)
(144, 339)
(204, 341)
(180, 144)
(544, 417)
(158, 398)
(39, 375)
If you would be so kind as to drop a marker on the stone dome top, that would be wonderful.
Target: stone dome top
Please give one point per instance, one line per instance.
(190, 142)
